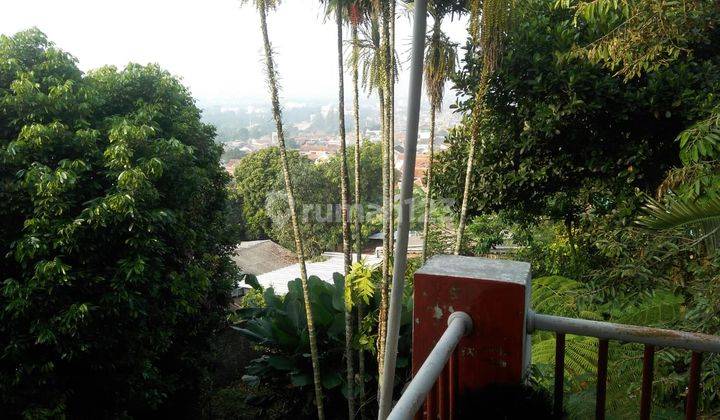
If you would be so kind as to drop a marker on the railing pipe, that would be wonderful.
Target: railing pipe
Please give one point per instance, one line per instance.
(601, 390)
(647, 382)
(406, 190)
(459, 325)
(559, 375)
(625, 333)
(693, 386)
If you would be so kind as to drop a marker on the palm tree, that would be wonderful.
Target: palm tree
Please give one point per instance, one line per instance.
(357, 11)
(338, 7)
(263, 6)
(386, 52)
(372, 59)
(391, 126)
(345, 215)
(440, 60)
(376, 71)
(487, 31)
(356, 16)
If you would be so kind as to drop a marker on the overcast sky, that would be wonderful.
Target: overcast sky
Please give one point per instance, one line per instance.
(214, 45)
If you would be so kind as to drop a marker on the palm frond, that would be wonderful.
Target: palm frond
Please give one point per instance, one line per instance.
(440, 63)
(702, 216)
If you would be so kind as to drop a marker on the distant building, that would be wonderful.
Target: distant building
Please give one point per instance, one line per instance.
(414, 243)
(230, 165)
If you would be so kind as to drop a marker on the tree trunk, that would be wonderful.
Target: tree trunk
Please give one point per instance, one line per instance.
(486, 30)
(391, 87)
(387, 200)
(382, 315)
(431, 147)
(466, 194)
(358, 213)
(277, 115)
(350, 370)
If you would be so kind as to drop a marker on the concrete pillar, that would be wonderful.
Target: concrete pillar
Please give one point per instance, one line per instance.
(496, 294)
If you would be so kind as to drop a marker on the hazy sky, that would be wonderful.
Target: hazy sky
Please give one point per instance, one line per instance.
(214, 45)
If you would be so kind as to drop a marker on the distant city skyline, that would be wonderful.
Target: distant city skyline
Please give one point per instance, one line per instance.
(214, 46)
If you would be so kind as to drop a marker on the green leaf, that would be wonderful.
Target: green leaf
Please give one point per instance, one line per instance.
(330, 379)
(300, 379)
(281, 362)
(252, 281)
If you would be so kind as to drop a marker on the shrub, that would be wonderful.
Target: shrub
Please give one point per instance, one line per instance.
(280, 331)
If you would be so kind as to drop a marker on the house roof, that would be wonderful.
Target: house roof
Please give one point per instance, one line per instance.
(333, 262)
(259, 257)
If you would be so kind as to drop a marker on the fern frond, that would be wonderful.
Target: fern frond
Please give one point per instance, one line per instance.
(555, 295)
(656, 309)
(580, 354)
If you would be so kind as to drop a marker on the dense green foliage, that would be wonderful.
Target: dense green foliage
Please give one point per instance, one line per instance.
(576, 137)
(563, 132)
(277, 325)
(113, 243)
(258, 190)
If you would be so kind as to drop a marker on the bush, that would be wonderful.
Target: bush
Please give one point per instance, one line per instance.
(280, 331)
(113, 246)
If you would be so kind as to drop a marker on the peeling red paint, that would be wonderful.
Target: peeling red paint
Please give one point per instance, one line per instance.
(493, 352)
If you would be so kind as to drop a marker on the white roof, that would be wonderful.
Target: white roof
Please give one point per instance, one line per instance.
(333, 263)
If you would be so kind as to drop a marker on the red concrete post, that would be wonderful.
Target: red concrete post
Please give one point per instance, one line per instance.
(495, 293)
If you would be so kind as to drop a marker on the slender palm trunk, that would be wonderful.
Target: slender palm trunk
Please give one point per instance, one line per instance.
(358, 213)
(431, 150)
(387, 200)
(474, 30)
(391, 88)
(487, 30)
(277, 115)
(350, 370)
(382, 315)
(466, 193)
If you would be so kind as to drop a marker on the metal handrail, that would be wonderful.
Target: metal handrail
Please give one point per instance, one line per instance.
(625, 333)
(459, 325)
(605, 331)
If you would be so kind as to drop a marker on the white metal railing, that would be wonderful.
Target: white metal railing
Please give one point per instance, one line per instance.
(459, 325)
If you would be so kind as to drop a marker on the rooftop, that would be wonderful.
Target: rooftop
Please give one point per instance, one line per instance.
(259, 257)
(332, 263)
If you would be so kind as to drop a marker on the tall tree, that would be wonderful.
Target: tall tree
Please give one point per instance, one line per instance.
(114, 238)
(391, 125)
(357, 10)
(263, 6)
(486, 32)
(339, 6)
(373, 53)
(440, 60)
(383, 9)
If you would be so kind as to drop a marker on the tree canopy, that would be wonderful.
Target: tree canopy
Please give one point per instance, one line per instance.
(113, 247)
(563, 132)
(258, 189)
